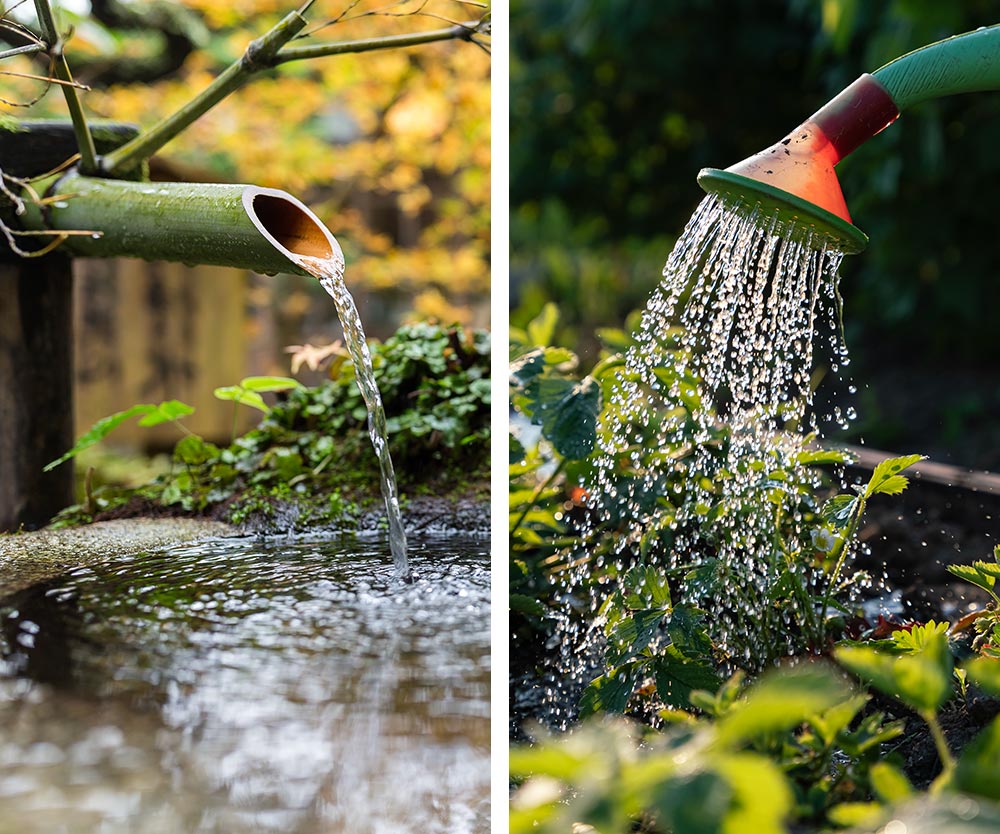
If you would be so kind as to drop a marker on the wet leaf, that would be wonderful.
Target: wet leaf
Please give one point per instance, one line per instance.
(677, 677)
(886, 477)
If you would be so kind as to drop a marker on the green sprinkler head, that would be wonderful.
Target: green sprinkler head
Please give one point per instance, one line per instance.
(794, 181)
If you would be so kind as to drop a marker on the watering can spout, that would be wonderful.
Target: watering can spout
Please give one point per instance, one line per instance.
(244, 226)
(793, 181)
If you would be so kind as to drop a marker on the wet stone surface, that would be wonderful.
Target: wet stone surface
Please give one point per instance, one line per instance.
(250, 685)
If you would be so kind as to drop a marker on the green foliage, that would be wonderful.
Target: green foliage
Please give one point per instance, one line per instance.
(698, 775)
(312, 452)
(921, 676)
(151, 415)
(248, 391)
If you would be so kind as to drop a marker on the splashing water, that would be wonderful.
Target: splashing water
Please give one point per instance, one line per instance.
(330, 272)
(701, 468)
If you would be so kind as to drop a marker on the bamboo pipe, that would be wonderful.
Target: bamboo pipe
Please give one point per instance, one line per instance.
(242, 226)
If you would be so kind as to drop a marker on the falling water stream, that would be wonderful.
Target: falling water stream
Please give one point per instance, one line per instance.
(330, 272)
(716, 394)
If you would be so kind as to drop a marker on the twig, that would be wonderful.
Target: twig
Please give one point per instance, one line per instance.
(27, 49)
(84, 139)
(460, 31)
(259, 56)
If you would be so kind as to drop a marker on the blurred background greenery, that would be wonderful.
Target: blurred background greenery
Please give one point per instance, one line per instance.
(616, 105)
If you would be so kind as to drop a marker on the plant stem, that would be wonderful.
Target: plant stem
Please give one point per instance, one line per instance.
(84, 140)
(260, 55)
(841, 558)
(460, 31)
(940, 743)
(538, 491)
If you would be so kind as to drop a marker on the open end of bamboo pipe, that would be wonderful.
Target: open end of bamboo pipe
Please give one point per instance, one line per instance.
(289, 225)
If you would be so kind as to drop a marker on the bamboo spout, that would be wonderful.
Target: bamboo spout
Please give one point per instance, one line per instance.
(243, 226)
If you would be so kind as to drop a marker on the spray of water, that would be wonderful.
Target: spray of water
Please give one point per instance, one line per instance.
(704, 440)
(330, 272)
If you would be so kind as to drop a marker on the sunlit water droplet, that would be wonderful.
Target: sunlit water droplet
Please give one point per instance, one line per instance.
(727, 338)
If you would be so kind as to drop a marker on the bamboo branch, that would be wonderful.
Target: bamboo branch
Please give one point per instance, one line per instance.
(27, 49)
(460, 31)
(259, 56)
(85, 141)
(265, 53)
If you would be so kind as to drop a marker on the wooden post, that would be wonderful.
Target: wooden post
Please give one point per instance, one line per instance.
(36, 342)
(36, 389)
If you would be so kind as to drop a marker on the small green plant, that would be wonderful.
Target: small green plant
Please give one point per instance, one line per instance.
(986, 623)
(311, 449)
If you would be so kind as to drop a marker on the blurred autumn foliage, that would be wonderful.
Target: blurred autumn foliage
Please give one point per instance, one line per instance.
(391, 148)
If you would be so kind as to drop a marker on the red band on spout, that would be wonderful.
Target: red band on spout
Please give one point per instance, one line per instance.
(856, 114)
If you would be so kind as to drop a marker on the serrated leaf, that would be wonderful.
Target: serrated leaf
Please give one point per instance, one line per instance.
(887, 469)
(821, 456)
(970, 573)
(166, 412)
(264, 384)
(838, 510)
(101, 429)
(608, 693)
(893, 485)
(571, 424)
(524, 604)
(677, 677)
(527, 367)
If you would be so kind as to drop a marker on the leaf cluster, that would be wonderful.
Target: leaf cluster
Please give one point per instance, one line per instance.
(312, 446)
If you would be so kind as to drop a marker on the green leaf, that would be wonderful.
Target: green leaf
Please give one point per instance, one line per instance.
(263, 384)
(889, 782)
(978, 770)
(985, 673)
(693, 803)
(243, 397)
(921, 679)
(516, 451)
(971, 573)
(820, 456)
(762, 799)
(101, 429)
(194, 450)
(779, 701)
(570, 423)
(677, 677)
(527, 367)
(833, 721)
(524, 604)
(609, 693)
(166, 412)
(850, 814)
(839, 509)
(646, 586)
(542, 328)
(884, 478)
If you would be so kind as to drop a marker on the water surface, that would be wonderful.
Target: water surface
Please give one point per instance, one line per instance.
(251, 686)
